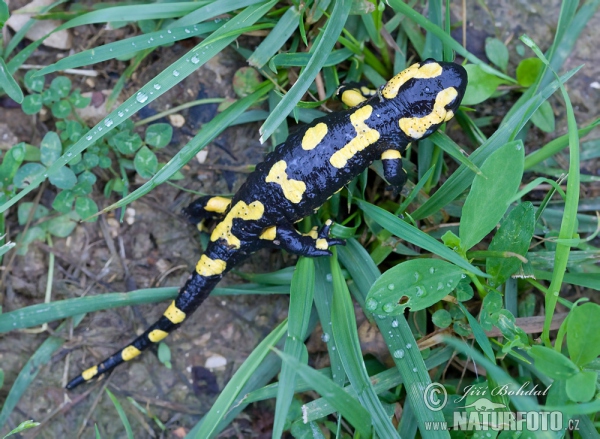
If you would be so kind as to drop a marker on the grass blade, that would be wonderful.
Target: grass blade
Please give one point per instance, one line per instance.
(343, 326)
(301, 298)
(224, 402)
(320, 52)
(345, 404)
(121, 413)
(415, 236)
(283, 30)
(28, 373)
(8, 83)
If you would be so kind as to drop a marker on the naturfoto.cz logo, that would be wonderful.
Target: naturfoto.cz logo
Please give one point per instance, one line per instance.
(483, 414)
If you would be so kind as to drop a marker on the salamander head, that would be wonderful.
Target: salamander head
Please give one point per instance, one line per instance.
(427, 95)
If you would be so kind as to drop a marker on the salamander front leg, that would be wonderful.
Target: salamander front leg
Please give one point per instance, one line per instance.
(393, 171)
(313, 244)
(353, 93)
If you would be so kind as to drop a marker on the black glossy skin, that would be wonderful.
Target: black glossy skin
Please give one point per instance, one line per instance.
(313, 167)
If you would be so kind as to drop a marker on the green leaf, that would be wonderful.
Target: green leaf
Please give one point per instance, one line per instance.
(32, 104)
(514, 235)
(61, 85)
(10, 164)
(159, 135)
(8, 83)
(63, 202)
(528, 71)
(415, 284)
(544, 118)
(85, 208)
(33, 83)
(24, 210)
(245, 81)
(63, 178)
(27, 173)
(25, 425)
(50, 148)
(61, 109)
(164, 354)
(79, 101)
(32, 234)
(490, 194)
(583, 333)
(50, 96)
(497, 52)
(126, 142)
(63, 225)
(4, 13)
(582, 386)
(145, 162)
(441, 318)
(552, 363)
(481, 85)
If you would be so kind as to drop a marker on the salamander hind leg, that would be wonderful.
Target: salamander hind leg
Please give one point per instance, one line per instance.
(313, 244)
(354, 93)
(206, 208)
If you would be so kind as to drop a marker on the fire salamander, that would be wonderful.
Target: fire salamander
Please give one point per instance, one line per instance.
(300, 175)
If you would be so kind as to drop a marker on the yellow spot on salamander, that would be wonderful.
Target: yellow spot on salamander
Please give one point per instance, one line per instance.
(365, 136)
(321, 244)
(449, 115)
(130, 352)
(174, 314)
(269, 233)
(313, 136)
(352, 98)
(210, 267)
(247, 212)
(90, 373)
(292, 189)
(217, 204)
(157, 335)
(314, 234)
(391, 154)
(427, 71)
(416, 127)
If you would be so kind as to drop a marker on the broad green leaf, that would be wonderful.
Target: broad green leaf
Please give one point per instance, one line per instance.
(490, 194)
(10, 164)
(159, 135)
(32, 104)
(441, 318)
(63, 178)
(583, 333)
(415, 284)
(514, 235)
(126, 142)
(27, 173)
(497, 52)
(145, 162)
(61, 85)
(32, 234)
(24, 211)
(79, 101)
(85, 208)
(582, 386)
(63, 201)
(481, 85)
(61, 109)
(33, 83)
(528, 70)
(50, 148)
(63, 225)
(552, 363)
(164, 354)
(245, 81)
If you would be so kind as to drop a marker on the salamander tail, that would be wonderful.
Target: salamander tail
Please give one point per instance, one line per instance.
(190, 297)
